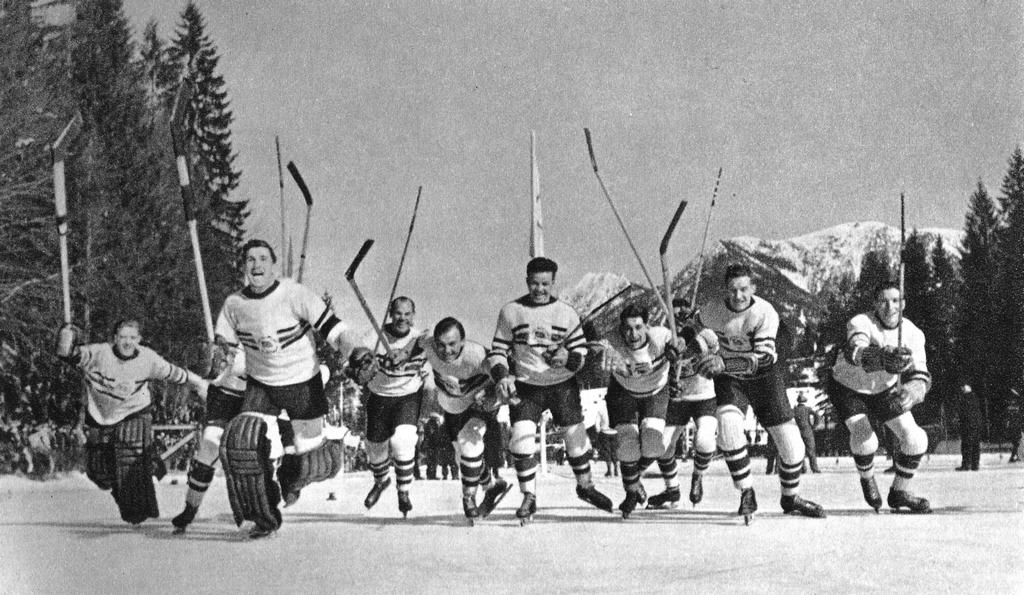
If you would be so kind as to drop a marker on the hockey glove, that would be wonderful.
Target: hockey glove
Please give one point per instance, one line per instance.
(711, 366)
(897, 359)
(912, 393)
(68, 340)
(744, 363)
(362, 366)
(870, 357)
(575, 361)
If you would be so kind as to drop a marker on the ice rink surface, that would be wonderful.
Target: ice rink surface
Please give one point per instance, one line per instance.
(65, 536)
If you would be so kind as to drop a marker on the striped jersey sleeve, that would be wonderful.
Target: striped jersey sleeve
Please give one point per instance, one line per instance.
(161, 369)
(763, 333)
(312, 309)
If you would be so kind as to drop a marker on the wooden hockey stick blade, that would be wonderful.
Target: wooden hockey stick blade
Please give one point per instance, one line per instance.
(67, 136)
(294, 171)
(351, 272)
(672, 227)
(590, 149)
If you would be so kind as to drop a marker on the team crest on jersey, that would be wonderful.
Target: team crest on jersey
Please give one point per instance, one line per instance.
(269, 345)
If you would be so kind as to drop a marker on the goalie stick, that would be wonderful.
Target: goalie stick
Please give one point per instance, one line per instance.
(294, 171)
(58, 152)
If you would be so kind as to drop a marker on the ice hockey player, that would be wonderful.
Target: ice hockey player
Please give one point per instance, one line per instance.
(692, 396)
(116, 413)
(538, 337)
(877, 376)
(394, 380)
(747, 326)
(465, 393)
(274, 320)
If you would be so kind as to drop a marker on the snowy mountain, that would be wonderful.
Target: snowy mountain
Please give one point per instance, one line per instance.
(790, 272)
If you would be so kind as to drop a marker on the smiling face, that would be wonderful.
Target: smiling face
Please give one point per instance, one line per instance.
(259, 268)
(402, 314)
(127, 340)
(739, 291)
(449, 344)
(633, 330)
(888, 305)
(540, 286)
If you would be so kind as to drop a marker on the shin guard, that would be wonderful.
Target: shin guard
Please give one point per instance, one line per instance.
(249, 471)
(299, 470)
(134, 492)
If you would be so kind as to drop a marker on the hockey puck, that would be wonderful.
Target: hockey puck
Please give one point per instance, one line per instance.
(331, 496)
(174, 482)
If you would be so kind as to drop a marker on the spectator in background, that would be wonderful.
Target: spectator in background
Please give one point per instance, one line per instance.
(1014, 424)
(970, 430)
(806, 420)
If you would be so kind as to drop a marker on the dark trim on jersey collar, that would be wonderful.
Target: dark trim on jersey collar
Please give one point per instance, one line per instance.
(122, 357)
(390, 329)
(881, 323)
(250, 293)
(730, 308)
(527, 302)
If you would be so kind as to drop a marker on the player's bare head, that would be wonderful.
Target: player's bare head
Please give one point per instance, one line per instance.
(888, 303)
(403, 311)
(540, 278)
(449, 338)
(682, 308)
(258, 260)
(739, 286)
(633, 323)
(127, 335)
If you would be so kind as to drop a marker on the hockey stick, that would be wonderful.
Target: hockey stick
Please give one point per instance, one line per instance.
(593, 162)
(58, 152)
(294, 171)
(178, 112)
(350, 276)
(592, 314)
(703, 242)
(536, 220)
(662, 249)
(401, 261)
(899, 320)
(280, 188)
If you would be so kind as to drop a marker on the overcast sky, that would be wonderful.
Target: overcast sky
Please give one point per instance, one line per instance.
(820, 113)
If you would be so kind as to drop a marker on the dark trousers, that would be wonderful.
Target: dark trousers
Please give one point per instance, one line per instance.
(970, 450)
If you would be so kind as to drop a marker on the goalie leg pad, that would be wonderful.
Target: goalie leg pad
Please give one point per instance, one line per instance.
(100, 462)
(134, 492)
(299, 470)
(249, 471)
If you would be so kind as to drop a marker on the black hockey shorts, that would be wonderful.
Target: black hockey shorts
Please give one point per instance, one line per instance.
(384, 414)
(563, 399)
(882, 407)
(625, 407)
(766, 394)
(681, 412)
(453, 422)
(305, 400)
(222, 406)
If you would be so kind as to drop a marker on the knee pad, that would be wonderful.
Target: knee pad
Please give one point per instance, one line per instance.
(707, 430)
(307, 434)
(576, 441)
(299, 470)
(100, 462)
(629, 443)
(730, 428)
(524, 438)
(403, 442)
(209, 445)
(912, 438)
(249, 471)
(652, 437)
(134, 492)
(471, 438)
(788, 441)
(863, 440)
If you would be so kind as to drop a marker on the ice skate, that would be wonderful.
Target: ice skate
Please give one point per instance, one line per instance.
(591, 495)
(469, 508)
(871, 495)
(404, 504)
(633, 498)
(696, 488)
(667, 499)
(527, 509)
(748, 505)
(904, 499)
(183, 520)
(258, 532)
(375, 492)
(494, 494)
(797, 505)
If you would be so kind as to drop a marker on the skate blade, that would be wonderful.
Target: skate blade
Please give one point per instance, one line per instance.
(747, 519)
(178, 531)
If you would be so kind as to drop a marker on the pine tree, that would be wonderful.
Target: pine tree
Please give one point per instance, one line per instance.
(161, 74)
(221, 219)
(1010, 242)
(941, 302)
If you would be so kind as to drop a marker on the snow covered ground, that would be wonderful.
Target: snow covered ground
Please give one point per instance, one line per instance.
(65, 536)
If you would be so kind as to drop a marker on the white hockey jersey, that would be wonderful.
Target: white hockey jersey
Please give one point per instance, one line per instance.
(866, 329)
(751, 330)
(461, 381)
(524, 333)
(404, 379)
(118, 386)
(642, 371)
